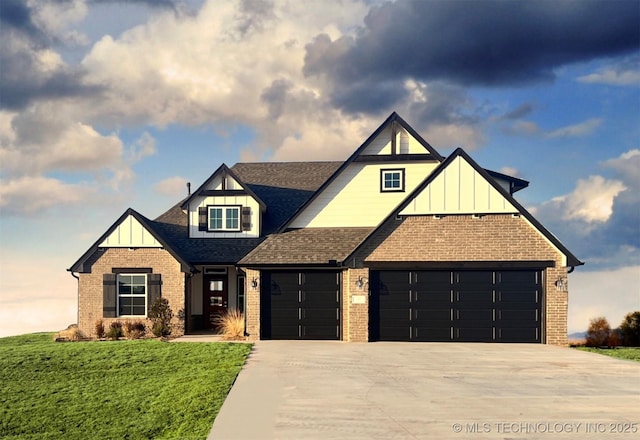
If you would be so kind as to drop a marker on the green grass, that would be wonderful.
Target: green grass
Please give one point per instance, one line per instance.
(113, 390)
(628, 353)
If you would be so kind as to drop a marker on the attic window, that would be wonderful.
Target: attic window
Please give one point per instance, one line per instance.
(224, 218)
(392, 180)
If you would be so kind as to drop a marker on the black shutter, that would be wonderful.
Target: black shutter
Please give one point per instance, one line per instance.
(154, 288)
(109, 292)
(202, 219)
(246, 218)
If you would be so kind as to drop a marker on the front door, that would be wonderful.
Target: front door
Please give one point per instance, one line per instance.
(216, 299)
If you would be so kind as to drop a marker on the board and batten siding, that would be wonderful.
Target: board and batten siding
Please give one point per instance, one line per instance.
(354, 198)
(405, 143)
(131, 234)
(459, 189)
(241, 200)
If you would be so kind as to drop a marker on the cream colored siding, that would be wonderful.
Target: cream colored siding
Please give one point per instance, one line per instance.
(459, 189)
(405, 143)
(231, 183)
(243, 200)
(130, 233)
(354, 199)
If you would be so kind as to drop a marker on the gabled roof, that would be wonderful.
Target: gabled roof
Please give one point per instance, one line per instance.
(223, 171)
(516, 184)
(572, 260)
(150, 226)
(394, 118)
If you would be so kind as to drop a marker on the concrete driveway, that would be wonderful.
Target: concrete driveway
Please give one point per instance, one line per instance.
(397, 390)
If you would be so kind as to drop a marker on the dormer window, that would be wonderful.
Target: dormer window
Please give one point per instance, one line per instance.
(224, 218)
(392, 180)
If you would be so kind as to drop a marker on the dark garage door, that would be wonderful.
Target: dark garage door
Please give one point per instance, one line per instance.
(464, 305)
(300, 305)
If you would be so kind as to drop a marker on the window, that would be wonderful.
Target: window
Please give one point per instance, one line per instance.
(224, 218)
(132, 294)
(392, 180)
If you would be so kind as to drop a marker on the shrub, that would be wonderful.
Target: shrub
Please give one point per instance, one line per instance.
(630, 329)
(231, 325)
(115, 330)
(598, 332)
(99, 329)
(134, 329)
(71, 333)
(160, 315)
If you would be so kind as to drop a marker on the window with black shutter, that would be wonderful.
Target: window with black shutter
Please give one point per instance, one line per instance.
(246, 218)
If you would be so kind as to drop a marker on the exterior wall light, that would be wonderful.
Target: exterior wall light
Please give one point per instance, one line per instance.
(561, 284)
(254, 283)
(361, 281)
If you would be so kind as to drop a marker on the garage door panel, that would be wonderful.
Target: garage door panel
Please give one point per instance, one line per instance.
(432, 334)
(301, 305)
(483, 303)
(473, 334)
(519, 334)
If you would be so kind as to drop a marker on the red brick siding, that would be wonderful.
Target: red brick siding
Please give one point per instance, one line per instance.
(90, 286)
(489, 238)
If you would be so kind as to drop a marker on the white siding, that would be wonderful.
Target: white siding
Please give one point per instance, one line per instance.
(216, 183)
(354, 199)
(241, 200)
(130, 233)
(459, 189)
(405, 143)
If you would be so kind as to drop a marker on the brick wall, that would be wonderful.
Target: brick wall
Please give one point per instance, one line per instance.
(488, 238)
(355, 317)
(252, 310)
(90, 286)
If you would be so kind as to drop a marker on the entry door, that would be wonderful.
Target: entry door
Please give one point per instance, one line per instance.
(216, 300)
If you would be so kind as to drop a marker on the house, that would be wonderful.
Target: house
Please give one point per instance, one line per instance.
(397, 243)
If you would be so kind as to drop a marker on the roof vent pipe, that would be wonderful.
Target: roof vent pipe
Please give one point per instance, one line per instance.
(188, 188)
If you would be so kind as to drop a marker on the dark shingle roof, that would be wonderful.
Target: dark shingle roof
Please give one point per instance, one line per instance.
(307, 246)
(282, 186)
(306, 176)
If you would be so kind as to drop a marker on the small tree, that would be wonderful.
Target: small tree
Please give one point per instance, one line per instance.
(160, 315)
(630, 329)
(598, 332)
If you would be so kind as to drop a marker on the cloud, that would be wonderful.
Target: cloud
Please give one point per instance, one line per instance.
(608, 293)
(600, 219)
(510, 171)
(30, 195)
(518, 113)
(489, 43)
(625, 73)
(591, 201)
(171, 187)
(582, 129)
(31, 69)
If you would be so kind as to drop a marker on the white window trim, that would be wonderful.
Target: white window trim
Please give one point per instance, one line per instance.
(146, 294)
(224, 208)
(384, 172)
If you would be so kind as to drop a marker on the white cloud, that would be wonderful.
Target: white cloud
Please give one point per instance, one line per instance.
(625, 73)
(510, 171)
(171, 187)
(31, 194)
(608, 293)
(591, 200)
(576, 130)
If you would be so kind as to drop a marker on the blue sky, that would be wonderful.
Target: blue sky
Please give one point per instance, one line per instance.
(106, 105)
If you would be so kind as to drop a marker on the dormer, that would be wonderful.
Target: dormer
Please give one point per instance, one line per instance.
(224, 207)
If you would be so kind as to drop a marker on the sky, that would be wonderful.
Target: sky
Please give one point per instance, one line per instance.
(106, 105)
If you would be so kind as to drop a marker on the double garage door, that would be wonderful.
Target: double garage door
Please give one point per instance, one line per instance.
(465, 305)
(300, 305)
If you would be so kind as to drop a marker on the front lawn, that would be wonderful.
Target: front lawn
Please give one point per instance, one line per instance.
(113, 390)
(628, 353)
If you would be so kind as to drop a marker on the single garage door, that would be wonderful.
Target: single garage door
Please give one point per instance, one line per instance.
(300, 305)
(464, 305)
